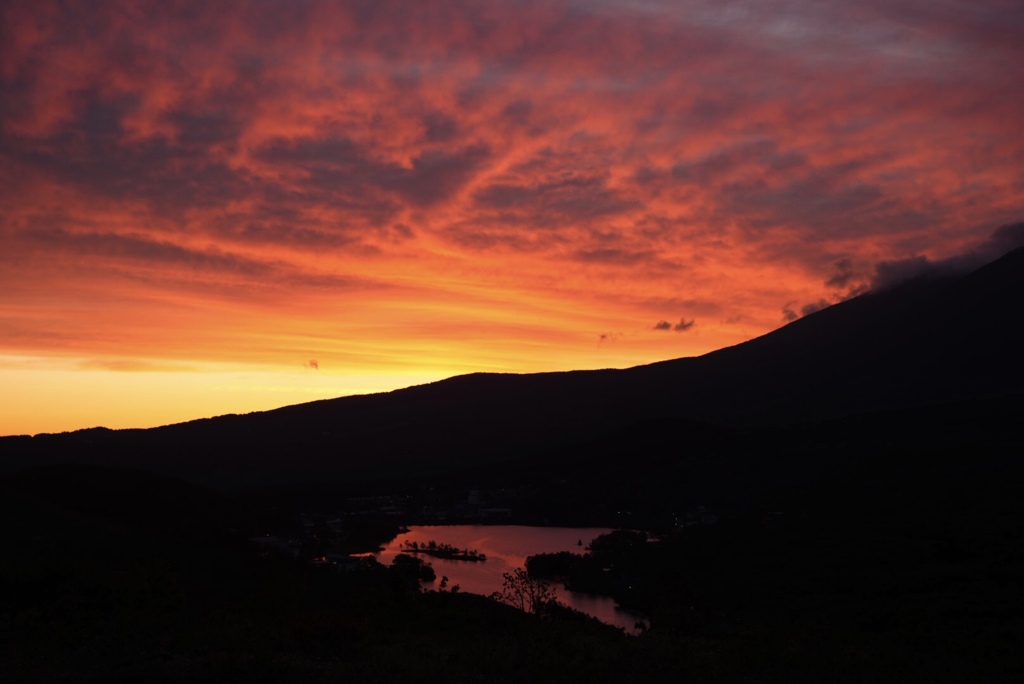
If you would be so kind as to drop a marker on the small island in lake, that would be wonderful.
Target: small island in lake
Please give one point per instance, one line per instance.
(446, 551)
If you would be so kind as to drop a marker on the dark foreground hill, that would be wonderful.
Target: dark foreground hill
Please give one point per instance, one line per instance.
(927, 342)
(836, 501)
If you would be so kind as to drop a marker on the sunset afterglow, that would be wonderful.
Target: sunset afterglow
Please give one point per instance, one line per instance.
(215, 208)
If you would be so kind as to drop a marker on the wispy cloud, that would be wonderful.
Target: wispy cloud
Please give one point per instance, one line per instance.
(567, 163)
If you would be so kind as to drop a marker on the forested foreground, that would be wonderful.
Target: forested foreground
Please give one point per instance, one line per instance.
(87, 598)
(919, 584)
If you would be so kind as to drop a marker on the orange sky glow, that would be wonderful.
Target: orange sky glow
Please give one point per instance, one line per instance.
(213, 208)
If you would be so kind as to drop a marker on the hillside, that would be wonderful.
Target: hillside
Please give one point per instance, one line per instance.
(925, 342)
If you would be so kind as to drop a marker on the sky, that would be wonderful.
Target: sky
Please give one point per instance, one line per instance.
(211, 208)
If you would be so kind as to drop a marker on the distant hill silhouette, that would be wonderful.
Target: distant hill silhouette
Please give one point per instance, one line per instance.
(926, 342)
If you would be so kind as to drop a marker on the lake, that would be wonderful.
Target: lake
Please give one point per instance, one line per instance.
(506, 548)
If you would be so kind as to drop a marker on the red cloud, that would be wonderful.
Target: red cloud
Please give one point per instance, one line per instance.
(490, 161)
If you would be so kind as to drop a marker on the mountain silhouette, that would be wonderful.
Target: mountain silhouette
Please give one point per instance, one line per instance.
(926, 342)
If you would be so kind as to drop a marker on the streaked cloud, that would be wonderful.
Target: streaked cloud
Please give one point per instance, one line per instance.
(292, 178)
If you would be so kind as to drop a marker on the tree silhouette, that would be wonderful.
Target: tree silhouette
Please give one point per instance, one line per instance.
(525, 593)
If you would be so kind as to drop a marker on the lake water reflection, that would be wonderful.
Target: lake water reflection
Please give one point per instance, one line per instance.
(506, 548)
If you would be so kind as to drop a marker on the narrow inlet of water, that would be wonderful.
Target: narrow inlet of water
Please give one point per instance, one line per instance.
(506, 548)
